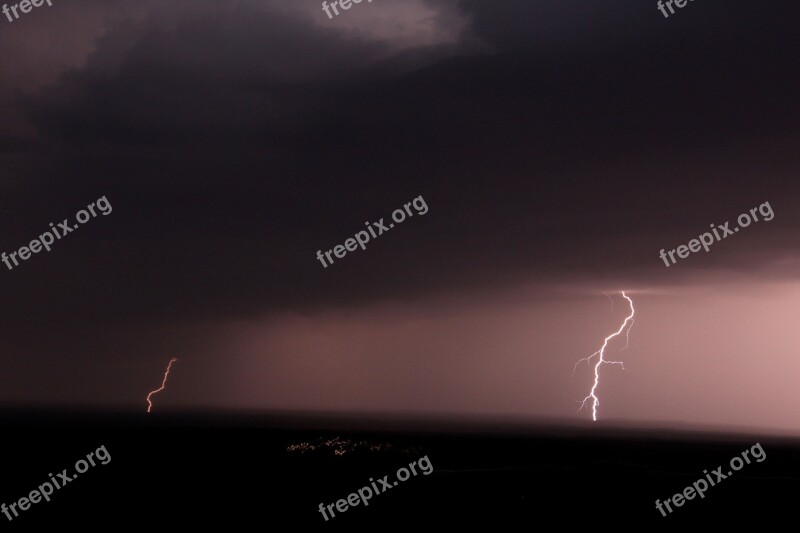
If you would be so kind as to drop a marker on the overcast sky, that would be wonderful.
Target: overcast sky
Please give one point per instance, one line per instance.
(559, 146)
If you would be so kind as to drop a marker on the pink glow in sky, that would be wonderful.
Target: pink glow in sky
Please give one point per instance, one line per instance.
(721, 356)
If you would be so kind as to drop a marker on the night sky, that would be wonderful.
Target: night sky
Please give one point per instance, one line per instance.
(558, 145)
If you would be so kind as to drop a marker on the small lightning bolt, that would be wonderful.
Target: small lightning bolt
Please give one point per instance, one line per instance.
(163, 384)
(626, 327)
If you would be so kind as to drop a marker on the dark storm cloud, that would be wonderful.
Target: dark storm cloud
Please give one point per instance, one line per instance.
(200, 72)
(234, 142)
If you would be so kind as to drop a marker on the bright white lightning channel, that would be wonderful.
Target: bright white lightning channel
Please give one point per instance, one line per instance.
(626, 327)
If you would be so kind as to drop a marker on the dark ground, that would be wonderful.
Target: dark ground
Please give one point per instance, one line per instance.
(236, 471)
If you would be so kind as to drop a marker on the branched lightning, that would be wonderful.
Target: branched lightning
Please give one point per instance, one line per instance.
(626, 327)
(163, 384)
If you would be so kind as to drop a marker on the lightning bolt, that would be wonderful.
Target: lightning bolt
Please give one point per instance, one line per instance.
(163, 384)
(626, 327)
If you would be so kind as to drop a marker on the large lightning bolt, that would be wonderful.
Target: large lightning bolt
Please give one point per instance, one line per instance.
(163, 384)
(626, 326)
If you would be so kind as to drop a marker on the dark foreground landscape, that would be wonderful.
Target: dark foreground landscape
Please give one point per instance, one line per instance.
(271, 473)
